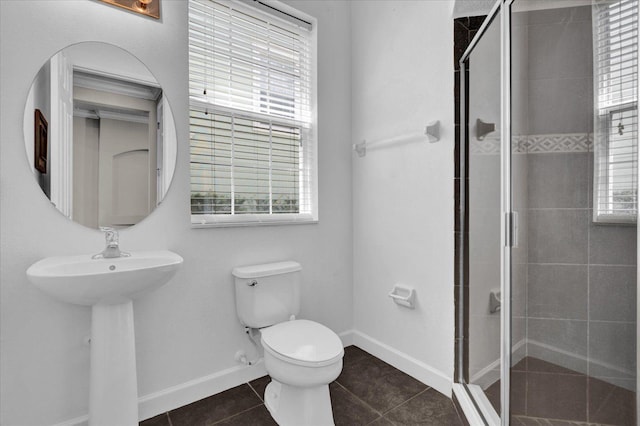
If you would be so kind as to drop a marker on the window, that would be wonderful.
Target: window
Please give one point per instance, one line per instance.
(252, 124)
(616, 121)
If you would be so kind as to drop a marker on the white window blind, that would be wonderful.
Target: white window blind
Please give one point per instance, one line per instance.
(616, 120)
(251, 117)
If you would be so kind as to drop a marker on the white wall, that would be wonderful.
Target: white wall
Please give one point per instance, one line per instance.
(187, 329)
(402, 67)
(109, 61)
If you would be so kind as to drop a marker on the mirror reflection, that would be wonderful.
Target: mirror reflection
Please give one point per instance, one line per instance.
(99, 135)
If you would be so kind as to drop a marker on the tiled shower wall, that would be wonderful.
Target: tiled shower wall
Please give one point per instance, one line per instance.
(581, 276)
(580, 293)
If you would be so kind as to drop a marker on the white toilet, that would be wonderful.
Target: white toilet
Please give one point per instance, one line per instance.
(301, 356)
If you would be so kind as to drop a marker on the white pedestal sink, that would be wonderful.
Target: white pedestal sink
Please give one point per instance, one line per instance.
(108, 286)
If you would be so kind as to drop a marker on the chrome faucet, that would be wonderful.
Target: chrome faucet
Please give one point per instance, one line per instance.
(112, 249)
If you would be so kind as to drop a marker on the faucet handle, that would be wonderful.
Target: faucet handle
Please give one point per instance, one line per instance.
(110, 235)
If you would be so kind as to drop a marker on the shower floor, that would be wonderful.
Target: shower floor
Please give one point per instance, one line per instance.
(547, 394)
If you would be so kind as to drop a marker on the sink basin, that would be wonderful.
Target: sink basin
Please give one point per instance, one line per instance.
(82, 280)
(108, 286)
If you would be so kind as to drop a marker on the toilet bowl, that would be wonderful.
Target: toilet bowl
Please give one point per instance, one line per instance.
(302, 357)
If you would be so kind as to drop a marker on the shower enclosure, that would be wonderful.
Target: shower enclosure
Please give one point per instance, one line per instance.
(547, 291)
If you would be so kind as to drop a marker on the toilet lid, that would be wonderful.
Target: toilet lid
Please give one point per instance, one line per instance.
(303, 341)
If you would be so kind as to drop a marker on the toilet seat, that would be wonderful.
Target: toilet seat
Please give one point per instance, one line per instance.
(303, 342)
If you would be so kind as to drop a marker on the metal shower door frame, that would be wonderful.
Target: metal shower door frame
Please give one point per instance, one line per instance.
(506, 226)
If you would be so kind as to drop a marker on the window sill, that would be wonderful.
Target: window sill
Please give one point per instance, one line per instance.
(605, 219)
(225, 221)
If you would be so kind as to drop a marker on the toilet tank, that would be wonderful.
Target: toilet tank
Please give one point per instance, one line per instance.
(267, 294)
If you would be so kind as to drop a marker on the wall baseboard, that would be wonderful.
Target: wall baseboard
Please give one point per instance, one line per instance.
(405, 363)
(604, 371)
(347, 337)
(489, 374)
(563, 358)
(185, 393)
(194, 390)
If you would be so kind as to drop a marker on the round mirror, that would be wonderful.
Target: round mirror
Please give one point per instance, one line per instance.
(100, 135)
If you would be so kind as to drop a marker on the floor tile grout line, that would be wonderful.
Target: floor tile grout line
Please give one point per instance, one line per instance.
(169, 418)
(237, 414)
(407, 400)
(376, 411)
(359, 399)
(383, 413)
(255, 391)
(608, 397)
(378, 418)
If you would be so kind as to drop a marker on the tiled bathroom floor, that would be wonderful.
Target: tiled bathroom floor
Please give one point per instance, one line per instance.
(368, 392)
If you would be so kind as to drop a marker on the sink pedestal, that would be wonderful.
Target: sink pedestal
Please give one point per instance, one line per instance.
(108, 285)
(113, 397)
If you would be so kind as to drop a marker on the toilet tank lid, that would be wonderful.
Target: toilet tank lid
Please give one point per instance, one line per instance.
(266, 269)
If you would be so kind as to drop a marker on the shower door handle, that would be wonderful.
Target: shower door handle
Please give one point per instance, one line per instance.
(511, 229)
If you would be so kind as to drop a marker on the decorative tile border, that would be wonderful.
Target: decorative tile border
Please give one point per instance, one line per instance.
(487, 146)
(566, 142)
(536, 144)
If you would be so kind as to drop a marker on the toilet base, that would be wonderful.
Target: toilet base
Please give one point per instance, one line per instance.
(296, 406)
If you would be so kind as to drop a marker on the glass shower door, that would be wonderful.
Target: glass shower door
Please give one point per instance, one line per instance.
(482, 68)
(551, 199)
(573, 270)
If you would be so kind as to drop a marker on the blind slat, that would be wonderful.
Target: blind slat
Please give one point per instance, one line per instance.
(265, 57)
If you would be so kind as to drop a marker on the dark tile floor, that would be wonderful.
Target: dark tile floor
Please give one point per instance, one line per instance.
(368, 392)
(547, 394)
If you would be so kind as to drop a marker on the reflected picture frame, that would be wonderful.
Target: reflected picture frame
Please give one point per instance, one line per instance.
(149, 8)
(40, 141)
